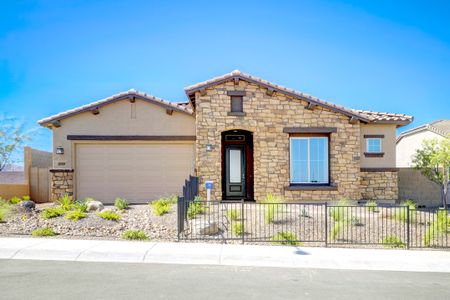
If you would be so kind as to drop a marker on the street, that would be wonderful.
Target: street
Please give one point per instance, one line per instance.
(27, 279)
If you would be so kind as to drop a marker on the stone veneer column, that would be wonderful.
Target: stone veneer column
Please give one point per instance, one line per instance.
(61, 183)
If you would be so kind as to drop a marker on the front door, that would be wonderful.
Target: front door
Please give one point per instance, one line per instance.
(235, 171)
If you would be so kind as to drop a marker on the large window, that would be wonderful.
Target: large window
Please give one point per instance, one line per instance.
(309, 160)
(374, 145)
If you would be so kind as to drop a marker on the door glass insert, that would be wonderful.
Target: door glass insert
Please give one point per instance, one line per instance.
(235, 165)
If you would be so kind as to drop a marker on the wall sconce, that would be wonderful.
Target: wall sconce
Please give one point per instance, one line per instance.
(59, 150)
(209, 148)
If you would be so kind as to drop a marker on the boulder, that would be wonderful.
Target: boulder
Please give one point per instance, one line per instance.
(28, 205)
(209, 228)
(95, 206)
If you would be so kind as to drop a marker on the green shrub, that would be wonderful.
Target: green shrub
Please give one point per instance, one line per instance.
(286, 238)
(272, 207)
(337, 228)
(45, 231)
(393, 241)
(401, 213)
(52, 212)
(238, 229)
(372, 205)
(195, 208)
(410, 203)
(4, 211)
(121, 203)
(134, 235)
(438, 227)
(161, 206)
(75, 215)
(339, 214)
(80, 205)
(109, 215)
(233, 214)
(15, 200)
(26, 198)
(66, 202)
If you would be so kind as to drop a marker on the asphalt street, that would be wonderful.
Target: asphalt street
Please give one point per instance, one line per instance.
(28, 279)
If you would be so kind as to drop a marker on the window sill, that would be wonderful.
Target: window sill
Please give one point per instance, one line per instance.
(236, 113)
(373, 154)
(310, 187)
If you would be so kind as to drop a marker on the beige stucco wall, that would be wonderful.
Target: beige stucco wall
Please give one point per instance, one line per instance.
(116, 119)
(407, 146)
(266, 116)
(413, 185)
(387, 145)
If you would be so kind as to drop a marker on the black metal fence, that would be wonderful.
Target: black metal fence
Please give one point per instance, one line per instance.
(317, 224)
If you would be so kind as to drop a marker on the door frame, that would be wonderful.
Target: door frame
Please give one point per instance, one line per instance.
(248, 162)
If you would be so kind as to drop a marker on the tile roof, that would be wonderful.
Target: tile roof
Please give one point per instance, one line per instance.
(182, 106)
(441, 127)
(366, 116)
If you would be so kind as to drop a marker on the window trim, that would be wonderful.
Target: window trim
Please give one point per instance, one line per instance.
(327, 157)
(241, 106)
(367, 145)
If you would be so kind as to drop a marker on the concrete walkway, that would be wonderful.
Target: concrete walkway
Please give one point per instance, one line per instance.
(220, 254)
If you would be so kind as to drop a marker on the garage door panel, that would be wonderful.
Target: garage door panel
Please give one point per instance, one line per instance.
(137, 172)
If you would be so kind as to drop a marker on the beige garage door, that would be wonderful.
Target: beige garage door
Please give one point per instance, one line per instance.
(137, 172)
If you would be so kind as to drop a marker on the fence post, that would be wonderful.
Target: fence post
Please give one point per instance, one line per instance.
(242, 221)
(181, 215)
(407, 226)
(326, 224)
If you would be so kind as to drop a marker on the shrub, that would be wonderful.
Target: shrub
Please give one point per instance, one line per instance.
(53, 212)
(45, 231)
(75, 215)
(410, 203)
(372, 205)
(161, 206)
(66, 202)
(80, 205)
(121, 203)
(401, 215)
(355, 221)
(4, 210)
(393, 241)
(304, 213)
(233, 214)
(15, 200)
(109, 215)
(134, 235)
(338, 213)
(26, 198)
(195, 208)
(336, 229)
(272, 207)
(286, 238)
(237, 229)
(437, 227)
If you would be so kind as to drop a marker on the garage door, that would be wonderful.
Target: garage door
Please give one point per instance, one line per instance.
(136, 172)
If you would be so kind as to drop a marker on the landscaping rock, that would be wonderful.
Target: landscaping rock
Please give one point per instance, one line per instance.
(209, 228)
(95, 206)
(28, 205)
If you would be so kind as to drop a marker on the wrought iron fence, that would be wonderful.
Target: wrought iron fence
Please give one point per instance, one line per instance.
(313, 223)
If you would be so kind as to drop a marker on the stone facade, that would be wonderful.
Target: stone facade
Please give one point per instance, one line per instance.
(61, 183)
(266, 117)
(379, 185)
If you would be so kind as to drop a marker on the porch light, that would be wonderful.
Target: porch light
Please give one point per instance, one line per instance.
(59, 150)
(209, 148)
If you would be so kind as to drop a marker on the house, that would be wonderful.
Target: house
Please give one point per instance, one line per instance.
(412, 184)
(249, 136)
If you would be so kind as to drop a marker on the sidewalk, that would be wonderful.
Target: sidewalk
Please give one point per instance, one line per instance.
(219, 254)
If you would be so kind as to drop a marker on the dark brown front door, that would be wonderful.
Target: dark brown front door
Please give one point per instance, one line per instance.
(237, 165)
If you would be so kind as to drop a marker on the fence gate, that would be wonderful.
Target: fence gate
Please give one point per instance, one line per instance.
(40, 184)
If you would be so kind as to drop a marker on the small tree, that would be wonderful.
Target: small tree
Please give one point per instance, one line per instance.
(12, 137)
(433, 161)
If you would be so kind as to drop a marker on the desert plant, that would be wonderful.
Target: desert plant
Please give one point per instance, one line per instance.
(401, 213)
(26, 198)
(4, 210)
(121, 203)
(238, 229)
(233, 214)
(393, 241)
(410, 203)
(109, 215)
(45, 231)
(272, 207)
(340, 211)
(286, 238)
(75, 215)
(438, 227)
(336, 229)
(304, 213)
(161, 206)
(52, 212)
(66, 202)
(372, 205)
(80, 205)
(195, 208)
(15, 200)
(135, 235)
(12, 137)
(355, 221)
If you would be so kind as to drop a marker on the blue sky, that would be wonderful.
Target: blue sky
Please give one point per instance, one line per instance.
(378, 55)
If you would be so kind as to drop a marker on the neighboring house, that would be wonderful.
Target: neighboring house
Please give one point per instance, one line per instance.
(249, 136)
(412, 184)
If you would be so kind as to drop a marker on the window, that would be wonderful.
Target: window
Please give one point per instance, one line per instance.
(237, 104)
(374, 145)
(309, 160)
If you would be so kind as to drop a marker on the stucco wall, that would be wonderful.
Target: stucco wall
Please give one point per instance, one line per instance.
(387, 145)
(407, 146)
(119, 118)
(266, 117)
(413, 185)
